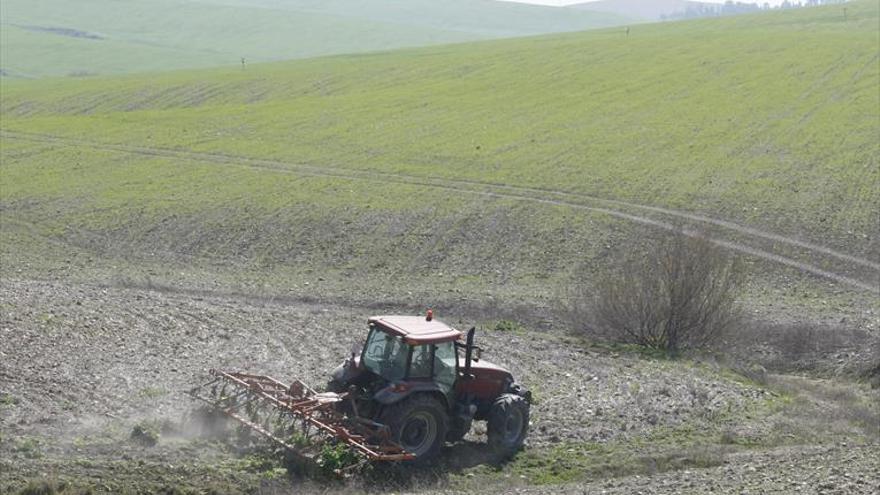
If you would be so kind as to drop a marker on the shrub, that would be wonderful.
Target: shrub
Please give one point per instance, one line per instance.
(680, 295)
(845, 348)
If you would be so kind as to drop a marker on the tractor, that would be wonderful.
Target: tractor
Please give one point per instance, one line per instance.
(415, 375)
(415, 384)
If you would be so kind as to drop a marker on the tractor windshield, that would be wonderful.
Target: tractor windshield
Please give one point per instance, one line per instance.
(385, 355)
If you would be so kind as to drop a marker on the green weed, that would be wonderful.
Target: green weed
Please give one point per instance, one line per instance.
(8, 400)
(30, 447)
(335, 458)
(507, 326)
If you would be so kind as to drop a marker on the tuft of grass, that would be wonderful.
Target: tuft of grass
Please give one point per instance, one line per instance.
(8, 400)
(145, 433)
(265, 463)
(152, 392)
(507, 326)
(29, 447)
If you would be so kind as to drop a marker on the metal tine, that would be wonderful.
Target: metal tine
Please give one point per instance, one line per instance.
(270, 403)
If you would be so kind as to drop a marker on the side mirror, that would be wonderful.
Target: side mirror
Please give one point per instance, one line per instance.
(356, 348)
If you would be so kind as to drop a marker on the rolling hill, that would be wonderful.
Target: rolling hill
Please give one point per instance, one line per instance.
(479, 172)
(60, 38)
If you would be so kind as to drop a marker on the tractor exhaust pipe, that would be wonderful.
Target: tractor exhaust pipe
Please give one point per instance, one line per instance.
(468, 351)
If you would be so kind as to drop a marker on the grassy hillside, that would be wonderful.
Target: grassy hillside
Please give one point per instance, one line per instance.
(58, 38)
(373, 174)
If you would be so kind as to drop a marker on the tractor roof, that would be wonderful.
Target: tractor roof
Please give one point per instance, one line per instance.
(417, 330)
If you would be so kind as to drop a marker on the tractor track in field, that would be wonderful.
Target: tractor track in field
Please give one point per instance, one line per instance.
(614, 208)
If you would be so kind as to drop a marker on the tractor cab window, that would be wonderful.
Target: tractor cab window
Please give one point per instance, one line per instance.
(444, 365)
(420, 366)
(385, 355)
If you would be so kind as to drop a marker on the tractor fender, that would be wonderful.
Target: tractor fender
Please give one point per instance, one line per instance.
(520, 390)
(396, 392)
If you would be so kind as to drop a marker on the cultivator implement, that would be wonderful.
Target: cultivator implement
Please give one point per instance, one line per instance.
(296, 417)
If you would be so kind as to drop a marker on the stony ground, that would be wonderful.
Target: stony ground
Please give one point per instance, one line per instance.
(837, 469)
(82, 365)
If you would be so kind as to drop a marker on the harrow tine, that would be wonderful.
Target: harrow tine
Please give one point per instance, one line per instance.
(271, 408)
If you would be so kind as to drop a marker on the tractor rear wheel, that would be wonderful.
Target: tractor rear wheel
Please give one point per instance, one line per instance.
(508, 424)
(419, 424)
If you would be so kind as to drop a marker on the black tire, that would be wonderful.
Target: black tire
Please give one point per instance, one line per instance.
(508, 425)
(419, 424)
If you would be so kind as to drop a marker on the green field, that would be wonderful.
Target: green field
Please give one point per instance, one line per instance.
(88, 37)
(156, 225)
(376, 176)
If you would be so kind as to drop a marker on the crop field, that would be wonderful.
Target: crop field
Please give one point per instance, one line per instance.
(153, 226)
(761, 127)
(90, 37)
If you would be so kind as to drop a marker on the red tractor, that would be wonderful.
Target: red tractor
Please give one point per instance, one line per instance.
(416, 376)
(415, 384)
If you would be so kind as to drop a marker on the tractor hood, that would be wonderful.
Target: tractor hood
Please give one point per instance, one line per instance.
(483, 368)
(489, 380)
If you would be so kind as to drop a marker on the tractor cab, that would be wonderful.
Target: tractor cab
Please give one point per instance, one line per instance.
(404, 349)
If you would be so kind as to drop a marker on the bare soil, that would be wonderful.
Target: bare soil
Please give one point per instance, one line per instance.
(82, 365)
(836, 469)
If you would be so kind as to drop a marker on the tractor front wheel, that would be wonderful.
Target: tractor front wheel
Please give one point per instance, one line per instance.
(508, 425)
(418, 424)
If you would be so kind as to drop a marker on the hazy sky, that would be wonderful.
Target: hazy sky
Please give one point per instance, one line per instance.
(569, 2)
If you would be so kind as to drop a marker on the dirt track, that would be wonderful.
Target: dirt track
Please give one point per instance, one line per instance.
(808, 257)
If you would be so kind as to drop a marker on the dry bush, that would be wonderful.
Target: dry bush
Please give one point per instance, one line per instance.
(679, 295)
(803, 346)
(829, 408)
(52, 487)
